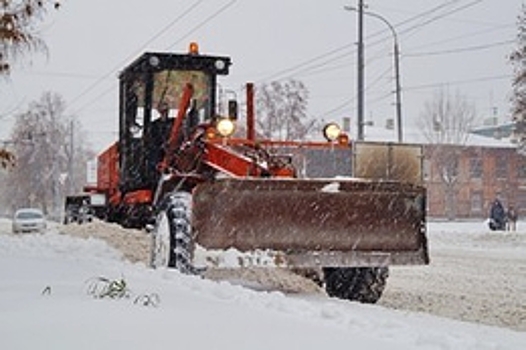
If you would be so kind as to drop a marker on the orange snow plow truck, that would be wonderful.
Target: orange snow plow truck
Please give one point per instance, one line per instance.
(338, 210)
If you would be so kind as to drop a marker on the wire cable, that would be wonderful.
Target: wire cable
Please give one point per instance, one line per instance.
(208, 19)
(327, 56)
(459, 50)
(441, 16)
(203, 23)
(458, 82)
(119, 66)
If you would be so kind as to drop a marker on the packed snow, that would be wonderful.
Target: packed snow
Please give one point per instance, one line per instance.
(47, 284)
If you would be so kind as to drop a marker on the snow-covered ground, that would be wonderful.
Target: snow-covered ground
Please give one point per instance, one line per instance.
(45, 284)
(475, 275)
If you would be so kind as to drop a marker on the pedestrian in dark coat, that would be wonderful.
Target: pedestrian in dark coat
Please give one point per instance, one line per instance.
(511, 218)
(497, 216)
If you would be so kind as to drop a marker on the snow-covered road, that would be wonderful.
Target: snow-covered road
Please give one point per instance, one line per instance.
(475, 275)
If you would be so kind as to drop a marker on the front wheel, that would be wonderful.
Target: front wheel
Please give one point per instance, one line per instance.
(362, 284)
(172, 243)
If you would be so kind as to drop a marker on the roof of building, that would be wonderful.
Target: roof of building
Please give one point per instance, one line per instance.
(498, 131)
(413, 135)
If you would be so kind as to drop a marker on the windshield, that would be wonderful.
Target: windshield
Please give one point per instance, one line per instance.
(29, 215)
(169, 86)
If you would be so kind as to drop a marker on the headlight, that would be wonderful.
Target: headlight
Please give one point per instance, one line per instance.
(220, 64)
(332, 131)
(225, 127)
(154, 61)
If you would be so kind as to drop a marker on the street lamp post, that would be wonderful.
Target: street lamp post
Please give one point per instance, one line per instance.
(396, 66)
(360, 103)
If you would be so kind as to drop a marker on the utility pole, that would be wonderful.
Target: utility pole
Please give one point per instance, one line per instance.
(361, 12)
(71, 155)
(398, 89)
(360, 110)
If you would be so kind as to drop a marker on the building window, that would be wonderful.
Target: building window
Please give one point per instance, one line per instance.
(427, 170)
(501, 168)
(476, 202)
(521, 200)
(453, 167)
(475, 168)
(521, 170)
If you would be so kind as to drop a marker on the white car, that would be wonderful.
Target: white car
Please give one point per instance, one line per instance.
(29, 220)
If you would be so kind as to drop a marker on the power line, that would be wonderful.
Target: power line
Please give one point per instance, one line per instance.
(381, 98)
(341, 106)
(96, 98)
(206, 20)
(412, 19)
(441, 16)
(317, 67)
(64, 75)
(307, 62)
(458, 82)
(326, 58)
(460, 50)
(461, 37)
(116, 68)
(378, 79)
(306, 68)
(418, 26)
(416, 88)
(350, 101)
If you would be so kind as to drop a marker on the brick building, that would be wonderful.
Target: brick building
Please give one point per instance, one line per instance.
(486, 167)
(483, 174)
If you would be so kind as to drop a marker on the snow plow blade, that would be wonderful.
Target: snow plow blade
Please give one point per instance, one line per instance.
(309, 223)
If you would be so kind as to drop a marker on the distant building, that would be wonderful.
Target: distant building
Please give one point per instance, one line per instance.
(496, 131)
(484, 173)
(487, 166)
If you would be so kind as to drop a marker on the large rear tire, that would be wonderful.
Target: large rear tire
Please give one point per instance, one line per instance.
(362, 284)
(172, 242)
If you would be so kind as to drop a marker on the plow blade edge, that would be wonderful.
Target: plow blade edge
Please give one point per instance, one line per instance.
(334, 222)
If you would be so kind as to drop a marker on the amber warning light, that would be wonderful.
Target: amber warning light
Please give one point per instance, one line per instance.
(194, 48)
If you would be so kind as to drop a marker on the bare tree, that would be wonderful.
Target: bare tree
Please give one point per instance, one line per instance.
(17, 31)
(446, 123)
(42, 144)
(282, 110)
(17, 37)
(6, 158)
(518, 99)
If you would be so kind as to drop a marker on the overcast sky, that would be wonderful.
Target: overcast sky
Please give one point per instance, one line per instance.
(456, 45)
